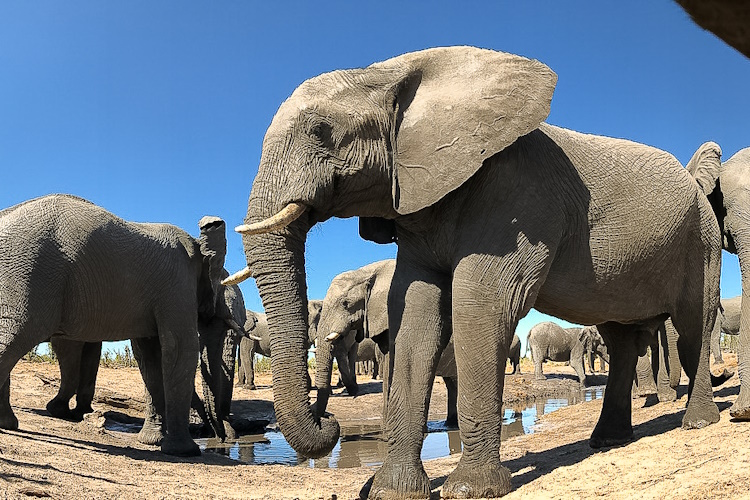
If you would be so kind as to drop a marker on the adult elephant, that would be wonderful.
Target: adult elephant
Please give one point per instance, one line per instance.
(727, 322)
(727, 19)
(74, 270)
(218, 339)
(729, 195)
(259, 341)
(444, 151)
(356, 307)
(548, 340)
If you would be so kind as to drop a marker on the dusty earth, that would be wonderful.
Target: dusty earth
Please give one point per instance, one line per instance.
(59, 459)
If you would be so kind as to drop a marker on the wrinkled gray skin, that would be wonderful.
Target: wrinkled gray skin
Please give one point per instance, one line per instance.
(550, 341)
(249, 347)
(658, 371)
(514, 355)
(494, 212)
(71, 269)
(729, 195)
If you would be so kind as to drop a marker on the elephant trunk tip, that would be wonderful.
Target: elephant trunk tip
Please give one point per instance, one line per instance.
(321, 441)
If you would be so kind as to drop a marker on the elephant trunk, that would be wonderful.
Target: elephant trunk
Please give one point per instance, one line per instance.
(323, 371)
(218, 356)
(278, 265)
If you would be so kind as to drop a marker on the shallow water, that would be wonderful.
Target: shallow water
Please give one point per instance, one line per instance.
(361, 445)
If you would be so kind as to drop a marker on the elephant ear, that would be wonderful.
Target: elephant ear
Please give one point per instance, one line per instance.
(213, 248)
(704, 166)
(457, 107)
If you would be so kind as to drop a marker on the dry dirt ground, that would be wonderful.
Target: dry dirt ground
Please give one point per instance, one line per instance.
(54, 458)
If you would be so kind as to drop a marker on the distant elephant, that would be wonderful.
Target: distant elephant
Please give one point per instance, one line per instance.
(259, 341)
(594, 347)
(444, 151)
(729, 195)
(548, 340)
(728, 321)
(514, 355)
(369, 358)
(73, 270)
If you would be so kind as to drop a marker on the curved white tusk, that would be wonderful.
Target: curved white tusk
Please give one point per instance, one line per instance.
(333, 336)
(253, 337)
(237, 277)
(286, 216)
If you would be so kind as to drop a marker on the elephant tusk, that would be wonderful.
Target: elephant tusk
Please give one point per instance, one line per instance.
(253, 337)
(237, 277)
(286, 216)
(333, 336)
(237, 328)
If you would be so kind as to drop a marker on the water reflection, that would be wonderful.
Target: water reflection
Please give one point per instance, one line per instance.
(361, 444)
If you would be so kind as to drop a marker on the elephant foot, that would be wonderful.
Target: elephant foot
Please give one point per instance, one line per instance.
(472, 481)
(667, 395)
(451, 421)
(151, 433)
(78, 412)
(8, 421)
(698, 418)
(740, 410)
(397, 482)
(180, 447)
(597, 442)
(58, 408)
(540, 377)
(229, 431)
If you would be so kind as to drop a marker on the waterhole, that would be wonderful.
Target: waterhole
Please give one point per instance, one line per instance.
(361, 443)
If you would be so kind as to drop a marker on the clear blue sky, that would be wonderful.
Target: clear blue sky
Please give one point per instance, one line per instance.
(157, 110)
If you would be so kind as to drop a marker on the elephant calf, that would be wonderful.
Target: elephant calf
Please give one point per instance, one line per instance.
(548, 340)
(514, 354)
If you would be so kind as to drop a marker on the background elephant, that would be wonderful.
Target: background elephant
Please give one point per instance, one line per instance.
(259, 341)
(445, 152)
(593, 347)
(729, 195)
(72, 269)
(728, 320)
(355, 308)
(79, 364)
(369, 358)
(550, 341)
(514, 355)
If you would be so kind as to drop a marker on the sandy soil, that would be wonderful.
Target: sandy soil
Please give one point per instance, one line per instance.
(59, 459)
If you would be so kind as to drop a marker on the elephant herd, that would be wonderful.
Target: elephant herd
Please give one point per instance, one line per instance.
(445, 152)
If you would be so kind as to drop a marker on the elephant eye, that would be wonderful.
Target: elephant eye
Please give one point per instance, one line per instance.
(323, 131)
(345, 303)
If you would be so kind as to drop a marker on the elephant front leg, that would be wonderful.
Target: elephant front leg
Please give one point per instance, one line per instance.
(69, 355)
(179, 354)
(418, 307)
(615, 422)
(147, 352)
(484, 320)
(90, 357)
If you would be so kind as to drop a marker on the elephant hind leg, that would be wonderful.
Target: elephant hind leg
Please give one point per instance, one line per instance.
(19, 333)
(615, 421)
(147, 352)
(69, 354)
(693, 347)
(90, 357)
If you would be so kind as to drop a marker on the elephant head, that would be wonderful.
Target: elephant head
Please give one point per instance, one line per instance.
(363, 142)
(354, 308)
(593, 342)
